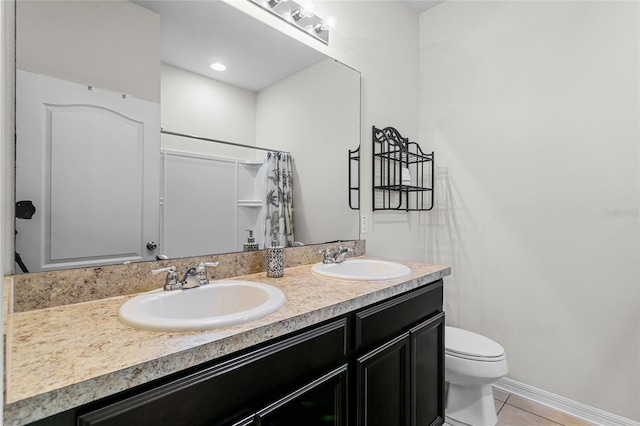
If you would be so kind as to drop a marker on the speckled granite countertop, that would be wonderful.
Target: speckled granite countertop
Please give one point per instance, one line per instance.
(61, 357)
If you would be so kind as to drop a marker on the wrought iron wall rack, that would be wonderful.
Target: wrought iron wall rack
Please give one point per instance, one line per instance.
(402, 173)
(354, 178)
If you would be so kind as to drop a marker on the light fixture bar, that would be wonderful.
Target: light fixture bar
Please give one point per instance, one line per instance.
(299, 16)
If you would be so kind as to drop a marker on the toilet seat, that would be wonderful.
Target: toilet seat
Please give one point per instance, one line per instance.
(466, 344)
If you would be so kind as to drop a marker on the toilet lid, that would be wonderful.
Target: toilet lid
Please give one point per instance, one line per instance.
(470, 345)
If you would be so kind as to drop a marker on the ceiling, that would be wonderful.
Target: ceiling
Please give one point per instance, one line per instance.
(198, 33)
(422, 5)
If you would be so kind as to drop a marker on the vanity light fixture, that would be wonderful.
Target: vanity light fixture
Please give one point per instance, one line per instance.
(300, 15)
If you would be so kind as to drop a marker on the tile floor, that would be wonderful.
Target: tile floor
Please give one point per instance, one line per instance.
(516, 411)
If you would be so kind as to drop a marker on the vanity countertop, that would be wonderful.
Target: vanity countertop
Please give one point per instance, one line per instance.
(62, 357)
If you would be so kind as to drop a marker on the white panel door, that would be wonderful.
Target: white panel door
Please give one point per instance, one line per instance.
(90, 161)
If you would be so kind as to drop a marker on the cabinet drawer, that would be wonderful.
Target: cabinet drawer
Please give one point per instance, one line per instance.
(379, 323)
(233, 388)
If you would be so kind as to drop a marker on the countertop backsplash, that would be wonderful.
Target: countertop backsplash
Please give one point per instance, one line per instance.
(50, 289)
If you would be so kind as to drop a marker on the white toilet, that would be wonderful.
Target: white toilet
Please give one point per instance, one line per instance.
(472, 363)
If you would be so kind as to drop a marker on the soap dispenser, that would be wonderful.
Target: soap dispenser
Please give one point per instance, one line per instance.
(251, 244)
(275, 259)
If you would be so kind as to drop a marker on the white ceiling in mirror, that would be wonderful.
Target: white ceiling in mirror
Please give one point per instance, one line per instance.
(422, 5)
(195, 34)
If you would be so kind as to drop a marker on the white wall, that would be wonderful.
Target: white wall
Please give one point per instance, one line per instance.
(201, 106)
(532, 109)
(314, 114)
(47, 43)
(380, 39)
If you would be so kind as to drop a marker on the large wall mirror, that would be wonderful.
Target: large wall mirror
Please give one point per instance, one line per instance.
(96, 83)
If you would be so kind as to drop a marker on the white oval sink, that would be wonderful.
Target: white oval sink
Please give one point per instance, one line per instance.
(217, 304)
(362, 269)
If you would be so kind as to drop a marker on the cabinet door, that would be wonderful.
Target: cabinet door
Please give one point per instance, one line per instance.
(427, 372)
(383, 384)
(382, 322)
(320, 403)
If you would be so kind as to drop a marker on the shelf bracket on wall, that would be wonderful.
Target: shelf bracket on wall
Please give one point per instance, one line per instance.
(403, 174)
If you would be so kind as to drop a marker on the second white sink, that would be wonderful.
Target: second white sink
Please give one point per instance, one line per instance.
(217, 304)
(362, 270)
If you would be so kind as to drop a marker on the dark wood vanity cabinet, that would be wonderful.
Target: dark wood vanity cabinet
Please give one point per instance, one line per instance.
(400, 361)
(222, 393)
(382, 365)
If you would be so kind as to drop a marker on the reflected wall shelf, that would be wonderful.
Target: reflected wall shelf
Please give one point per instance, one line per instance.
(250, 184)
(402, 173)
(250, 203)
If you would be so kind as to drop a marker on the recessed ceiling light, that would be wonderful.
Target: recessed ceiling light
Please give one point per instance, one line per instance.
(218, 66)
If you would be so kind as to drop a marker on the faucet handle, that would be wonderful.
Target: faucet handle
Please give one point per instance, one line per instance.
(168, 269)
(171, 281)
(201, 270)
(341, 253)
(328, 258)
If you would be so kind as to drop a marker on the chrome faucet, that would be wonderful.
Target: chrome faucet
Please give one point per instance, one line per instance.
(190, 279)
(194, 277)
(336, 257)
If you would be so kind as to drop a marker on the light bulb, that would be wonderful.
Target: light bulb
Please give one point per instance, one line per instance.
(304, 11)
(217, 66)
(322, 26)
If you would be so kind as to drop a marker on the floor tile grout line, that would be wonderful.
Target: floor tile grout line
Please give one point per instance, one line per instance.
(502, 404)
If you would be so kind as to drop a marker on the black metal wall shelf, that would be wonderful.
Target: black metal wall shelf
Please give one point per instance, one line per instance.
(354, 179)
(402, 173)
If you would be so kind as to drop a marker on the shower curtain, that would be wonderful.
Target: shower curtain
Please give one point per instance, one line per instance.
(279, 199)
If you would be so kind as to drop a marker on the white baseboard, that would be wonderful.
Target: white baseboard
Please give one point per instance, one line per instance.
(566, 405)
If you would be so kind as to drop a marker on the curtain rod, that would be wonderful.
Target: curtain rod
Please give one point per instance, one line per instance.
(168, 132)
